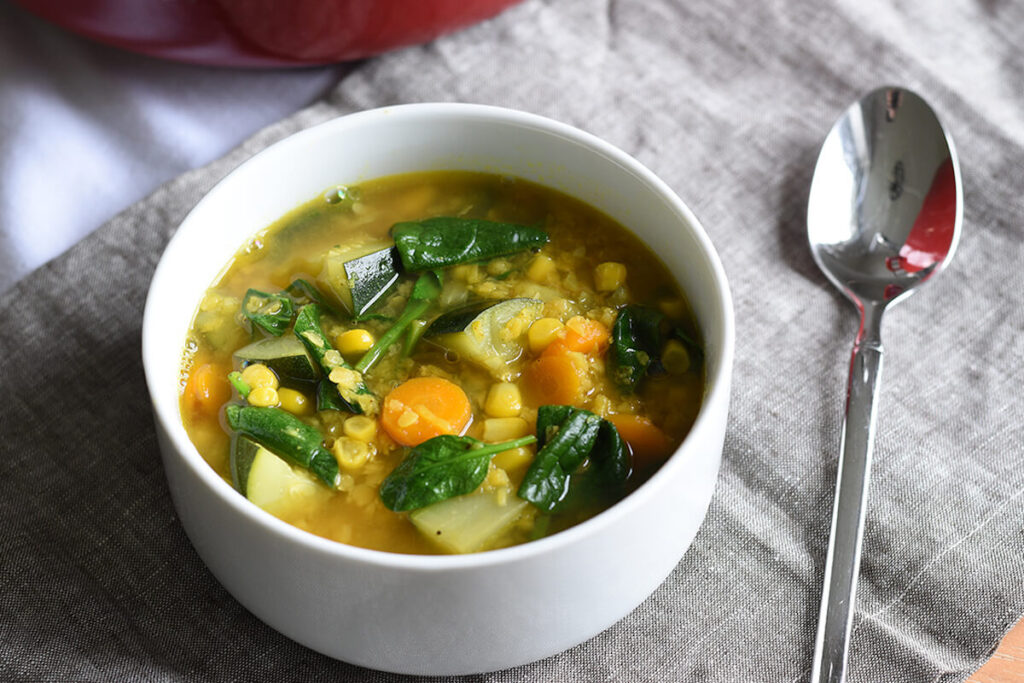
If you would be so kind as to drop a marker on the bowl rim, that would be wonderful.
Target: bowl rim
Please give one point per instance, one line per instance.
(717, 387)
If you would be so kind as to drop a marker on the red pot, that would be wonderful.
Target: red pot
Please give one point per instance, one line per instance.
(263, 32)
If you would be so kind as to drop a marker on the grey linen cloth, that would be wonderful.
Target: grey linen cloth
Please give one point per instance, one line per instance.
(727, 102)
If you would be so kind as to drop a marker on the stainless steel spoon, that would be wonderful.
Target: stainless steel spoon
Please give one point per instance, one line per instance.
(883, 217)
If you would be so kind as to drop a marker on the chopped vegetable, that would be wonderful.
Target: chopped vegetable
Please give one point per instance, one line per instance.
(553, 379)
(286, 436)
(370, 278)
(352, 342)
(441, 468)
(648, 443)
(351, 453)
(307, 293)
(259, 375)
(243, 451)
(580, 335)
(567, 436)
(423, 408)
(426, 289)
(334, 274)
(264, 397)
(503, 400)
(488, 334)
(504, 428)
(353, 394)
(239, 384)
(270, 312)
(207, 388)
(693, 349)
(360, 427)
(636, 344)
(609, 276)
(271, 483)
(470, 523)
(286, 356)
(447, 241)
(413, 336)
(542, 332)
(295, 402)
(674, 357)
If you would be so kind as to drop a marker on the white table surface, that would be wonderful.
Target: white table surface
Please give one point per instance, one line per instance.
(86, 130)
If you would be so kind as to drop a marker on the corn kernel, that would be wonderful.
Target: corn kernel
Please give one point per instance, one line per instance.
(354, 341)
(497, 478)
(498, 266)
(609, 276)
(361, 427)
(673, 308)
(295, 402)
(498, 429)
(513, 458)
(675, 357)
(503, 400)
(263, 397)
(542, 332)
(351, 454)
(466, 273)
(540, 268)
(259, 375)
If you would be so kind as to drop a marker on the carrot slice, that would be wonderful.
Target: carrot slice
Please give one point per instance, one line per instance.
(553, 379)
(207, 389)
(424, 407)
(649, 444)
(581, 335)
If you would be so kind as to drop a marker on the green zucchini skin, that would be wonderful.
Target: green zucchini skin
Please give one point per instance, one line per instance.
(445, 241)
(458, 319)
(243, 452)
(286, 356)
(287, 436)
(370, 278)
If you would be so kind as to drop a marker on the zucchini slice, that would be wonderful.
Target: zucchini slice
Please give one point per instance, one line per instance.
(466, 524)
(271, 483)
(360, 277)
(286, 356)
(488, 333)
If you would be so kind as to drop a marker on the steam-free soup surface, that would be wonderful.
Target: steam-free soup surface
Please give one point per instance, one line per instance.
(587, 318)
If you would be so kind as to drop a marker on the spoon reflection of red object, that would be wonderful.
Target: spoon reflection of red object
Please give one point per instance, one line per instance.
(932, 233)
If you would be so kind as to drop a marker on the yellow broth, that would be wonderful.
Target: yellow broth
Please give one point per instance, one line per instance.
(562, 275)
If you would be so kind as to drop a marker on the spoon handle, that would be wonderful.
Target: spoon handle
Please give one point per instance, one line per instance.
(843, 561)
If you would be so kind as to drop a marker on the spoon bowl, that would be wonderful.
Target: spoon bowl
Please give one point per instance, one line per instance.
(886, 203)
(883, 217)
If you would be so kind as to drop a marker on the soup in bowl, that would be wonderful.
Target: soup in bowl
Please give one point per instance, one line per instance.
(440, 374)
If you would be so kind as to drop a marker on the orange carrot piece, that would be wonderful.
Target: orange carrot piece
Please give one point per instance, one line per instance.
(581, 335)
(208, 389)
(424, 407)
(553, 380)
(649, 444)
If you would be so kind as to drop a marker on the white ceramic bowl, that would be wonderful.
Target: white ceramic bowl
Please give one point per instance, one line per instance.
(438, 614)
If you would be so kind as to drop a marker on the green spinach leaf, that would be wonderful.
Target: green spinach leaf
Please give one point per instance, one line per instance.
(636, 346)
(567, 436)
(441, 468)
(447, 241)
(564, 449)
